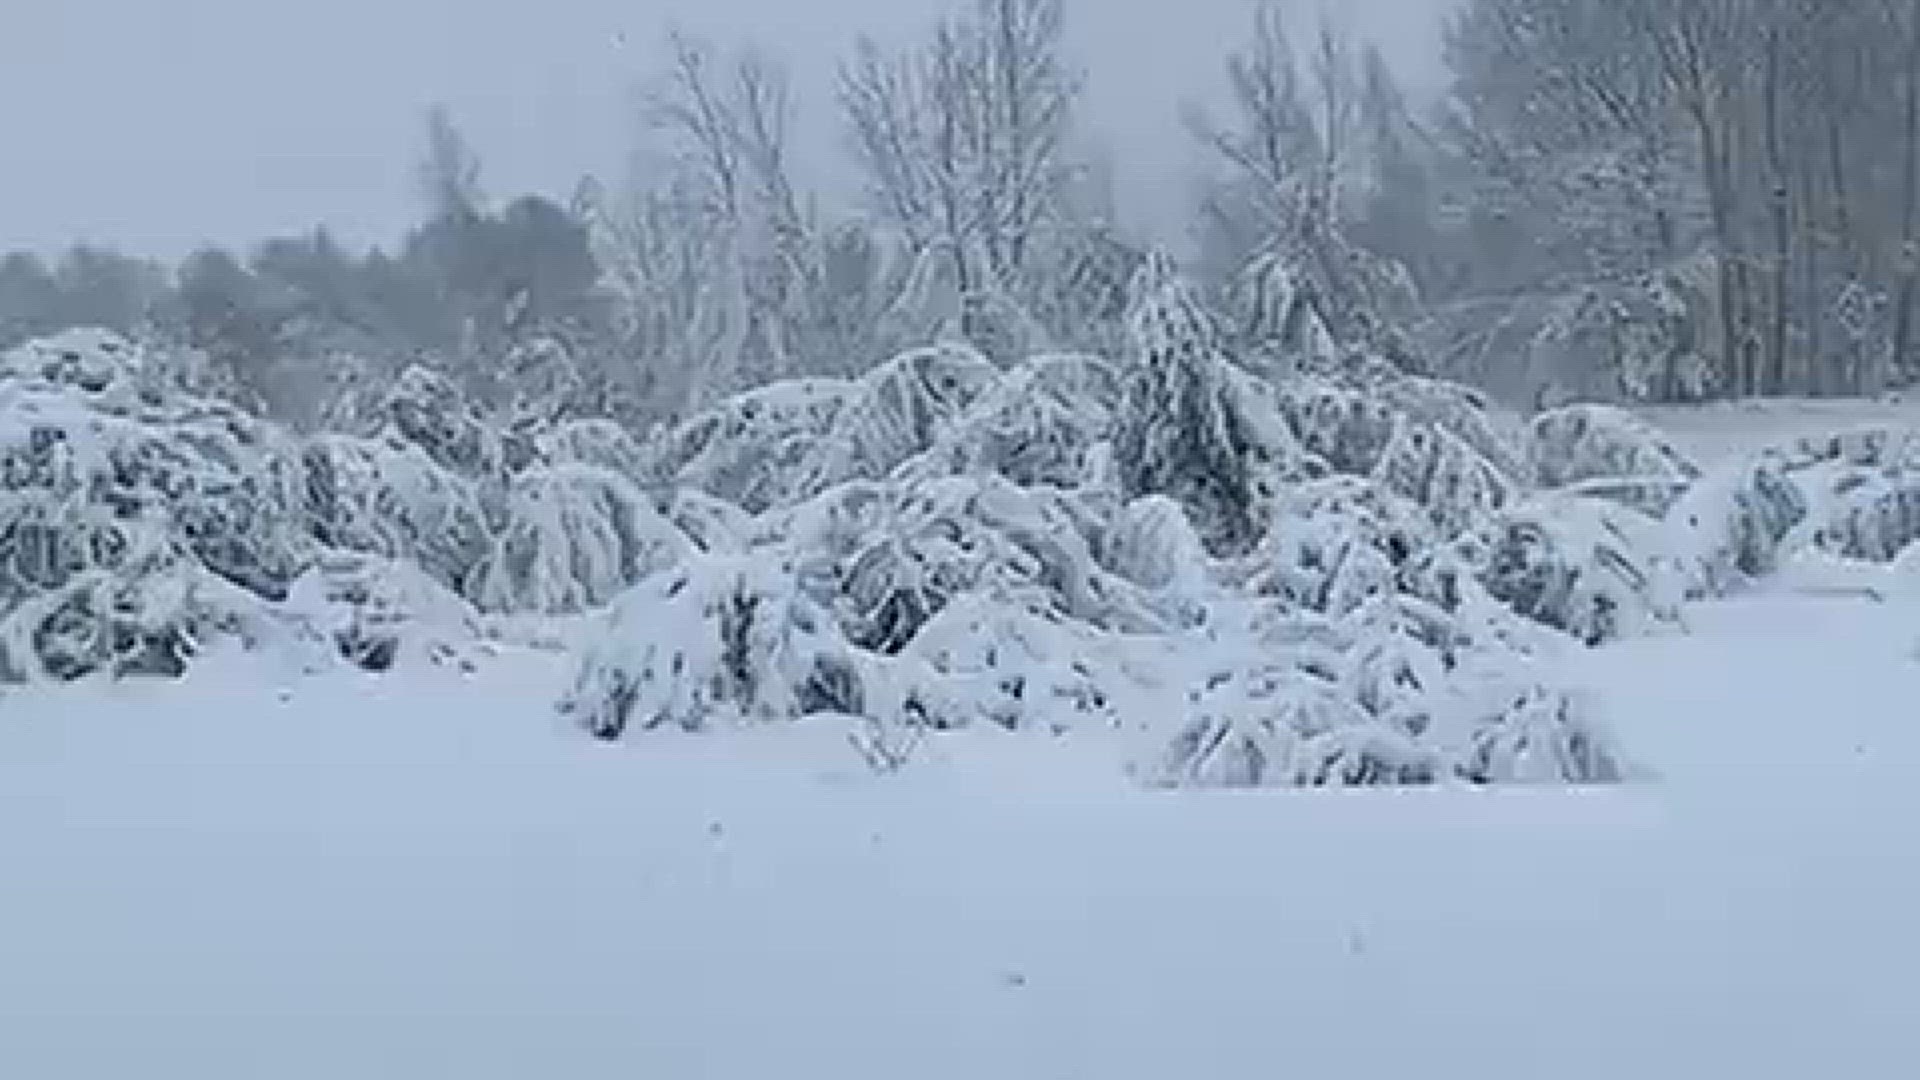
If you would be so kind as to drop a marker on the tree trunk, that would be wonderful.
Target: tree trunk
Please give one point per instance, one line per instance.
(1909, 212)
(1776, 350)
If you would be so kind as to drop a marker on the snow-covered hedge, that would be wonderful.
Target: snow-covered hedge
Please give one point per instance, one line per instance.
(1344, 577)
(1319, 582)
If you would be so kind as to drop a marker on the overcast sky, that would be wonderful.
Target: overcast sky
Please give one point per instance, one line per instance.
(160, 125)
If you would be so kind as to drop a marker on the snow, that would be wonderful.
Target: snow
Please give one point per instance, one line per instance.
(1720, 432)
(894, 679)
(431, 875)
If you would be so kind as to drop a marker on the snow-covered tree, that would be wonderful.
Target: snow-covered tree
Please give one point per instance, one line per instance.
(1190, 427)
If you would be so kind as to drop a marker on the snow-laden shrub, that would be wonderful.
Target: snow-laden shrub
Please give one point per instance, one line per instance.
(148, 615)
(1037, 424)
(1862, 492)
(1347, 430)
(896, 411)
(575, 537)
(1462, 412)
(1152, 544)
(894, 556)
(1877, 517)
(1434, 469)
(1334, 580)
(985, 660)
(1610, 453)
(1585, 566)
(715, 640)
(600, 443)
(1287, 727)
(395, 501)
(379, 614)
(1729, 527)
(753, 449)
(1436, 444)
(134, 522)
(423, 408)
(1526, 732)
(1865, 448)
(1191, 426)
(94, 362)
(711, 524)
(1336, 543)
(1395, 693)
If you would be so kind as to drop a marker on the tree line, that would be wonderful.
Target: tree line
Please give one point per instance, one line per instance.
(1628, 198)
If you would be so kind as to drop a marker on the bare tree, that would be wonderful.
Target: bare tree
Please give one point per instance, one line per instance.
(963, 141)
(1791, 124)
(450, 170)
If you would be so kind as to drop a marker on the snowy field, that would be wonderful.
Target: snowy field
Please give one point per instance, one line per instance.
(1721, 431)
(438, 878)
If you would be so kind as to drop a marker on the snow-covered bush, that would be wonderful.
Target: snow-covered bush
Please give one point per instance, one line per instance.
(1607, 452)
(713, 641)
(1153, 545)
(1526, 732)
(1437, 447)
(134, 521)
(896, 411)
(395, 501)
(753, 449)
(146, 616)
(1862, 492)
(1333, 580)
(600, 443)
(1878, 516)
(1395, 693)
(1585, 566)
(985, 660)
(711, 524)
(378, 614)
(575, 537)
(1347, 430)
(1729, 527)
(1038, 424)
(1433, 468)
(1287, 727)
(1872, 447)
(424, 409)
(1461, 411)
(94, 362)
(892, 556)
(1337, 543)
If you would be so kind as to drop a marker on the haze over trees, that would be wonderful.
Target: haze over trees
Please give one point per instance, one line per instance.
(1610, 200)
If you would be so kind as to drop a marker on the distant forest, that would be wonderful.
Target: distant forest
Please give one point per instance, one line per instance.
(1613, 199)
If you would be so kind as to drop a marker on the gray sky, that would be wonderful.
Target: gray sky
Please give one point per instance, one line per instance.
(159, 125)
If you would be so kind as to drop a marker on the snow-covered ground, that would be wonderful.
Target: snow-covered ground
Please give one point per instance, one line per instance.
(1715, 433)
(434, 876)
